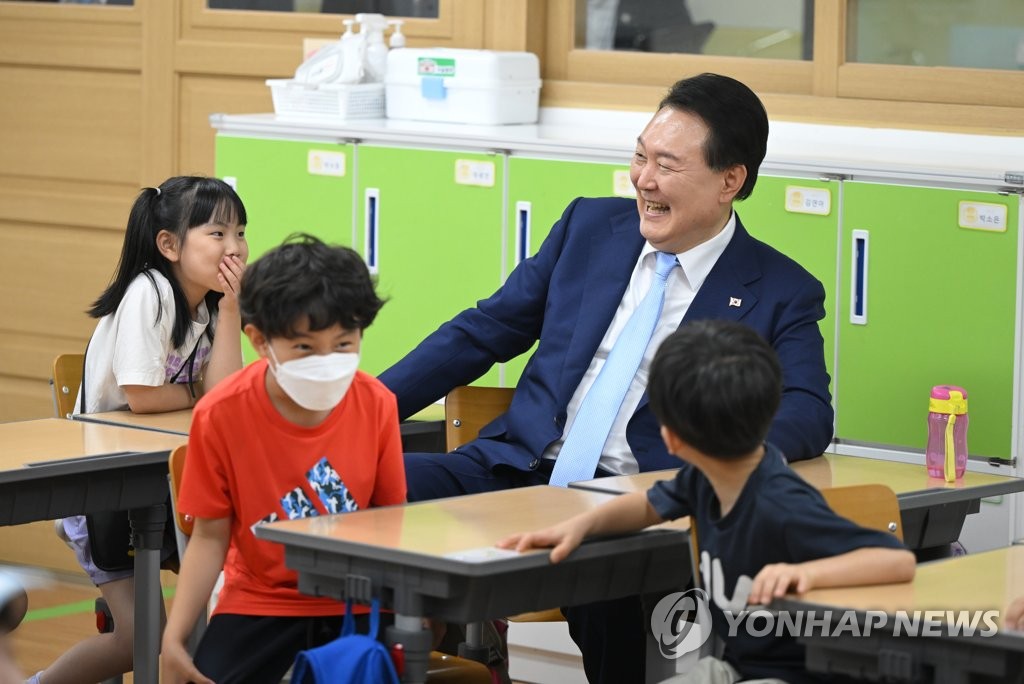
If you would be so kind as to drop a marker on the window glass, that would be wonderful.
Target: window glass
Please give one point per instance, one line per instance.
(981, 34)
(781, 29)
(391, 8)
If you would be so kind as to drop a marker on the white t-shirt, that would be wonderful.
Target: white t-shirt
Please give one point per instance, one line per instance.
(131, 347)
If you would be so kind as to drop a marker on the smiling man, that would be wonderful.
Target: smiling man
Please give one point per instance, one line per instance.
(612, 280)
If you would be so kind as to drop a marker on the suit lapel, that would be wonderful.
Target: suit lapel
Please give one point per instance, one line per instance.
(612, 255)
(725, 294)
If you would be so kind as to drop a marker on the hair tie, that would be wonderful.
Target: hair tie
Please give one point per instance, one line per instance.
(157, 191)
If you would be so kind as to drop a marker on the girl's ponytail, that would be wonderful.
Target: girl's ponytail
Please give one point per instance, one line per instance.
(138, 252)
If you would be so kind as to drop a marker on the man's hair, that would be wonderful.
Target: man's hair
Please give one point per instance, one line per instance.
(737, 122)
(717, 386)
(303, 277)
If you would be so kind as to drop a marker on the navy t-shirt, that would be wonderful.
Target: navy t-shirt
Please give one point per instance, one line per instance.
(778, 518)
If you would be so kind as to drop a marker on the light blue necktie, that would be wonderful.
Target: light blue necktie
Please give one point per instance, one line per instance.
(581, 451)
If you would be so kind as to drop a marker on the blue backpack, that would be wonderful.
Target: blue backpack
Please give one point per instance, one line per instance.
(350, 659)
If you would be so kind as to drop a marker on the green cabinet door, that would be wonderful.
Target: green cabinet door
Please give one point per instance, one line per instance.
(539, 190)
(429, 226)
(924, 301)
(288, 186)
(800, 218)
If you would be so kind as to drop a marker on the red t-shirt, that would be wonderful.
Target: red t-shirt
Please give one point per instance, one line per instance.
(248, 463)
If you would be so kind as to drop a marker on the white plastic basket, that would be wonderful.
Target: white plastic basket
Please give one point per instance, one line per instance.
(328, 100)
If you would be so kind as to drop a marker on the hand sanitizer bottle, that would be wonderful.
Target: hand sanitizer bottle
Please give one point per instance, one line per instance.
(397, 37)
(376, 51)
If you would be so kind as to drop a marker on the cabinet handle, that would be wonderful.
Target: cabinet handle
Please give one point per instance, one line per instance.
(523, 222)
(371, 224)
(859, 278)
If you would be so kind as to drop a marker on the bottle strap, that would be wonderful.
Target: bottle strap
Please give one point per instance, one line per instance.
(949, 465)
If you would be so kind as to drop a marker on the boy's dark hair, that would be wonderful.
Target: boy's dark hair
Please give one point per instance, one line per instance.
(177, 205)
(736, 119)
(717, 386)
(303, 277)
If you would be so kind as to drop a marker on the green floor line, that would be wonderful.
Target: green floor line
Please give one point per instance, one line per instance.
(65, 609)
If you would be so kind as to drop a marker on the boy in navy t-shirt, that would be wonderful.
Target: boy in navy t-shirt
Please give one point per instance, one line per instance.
(762, 530)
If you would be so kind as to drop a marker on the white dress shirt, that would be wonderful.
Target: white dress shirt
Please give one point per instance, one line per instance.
(683, 284)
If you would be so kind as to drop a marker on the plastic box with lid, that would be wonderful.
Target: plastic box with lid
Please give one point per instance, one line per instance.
(462, 86)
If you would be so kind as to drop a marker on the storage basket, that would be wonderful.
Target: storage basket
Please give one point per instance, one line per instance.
(327, 100)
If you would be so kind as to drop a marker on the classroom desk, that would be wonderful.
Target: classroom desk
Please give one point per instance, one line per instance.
(977, 582)
(933, 510)
(437, 559)
(175, 422)
(54, 468)
(417, 435)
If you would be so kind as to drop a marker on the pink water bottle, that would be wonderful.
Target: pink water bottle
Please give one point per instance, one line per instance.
(946, 453)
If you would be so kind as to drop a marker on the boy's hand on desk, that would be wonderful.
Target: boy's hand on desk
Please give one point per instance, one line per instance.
(1015, 615)
(775, 580)
(176, 666)
(564, 538)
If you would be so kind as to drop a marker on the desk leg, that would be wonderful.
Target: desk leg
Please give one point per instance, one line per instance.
(147, 538)
(415, 641)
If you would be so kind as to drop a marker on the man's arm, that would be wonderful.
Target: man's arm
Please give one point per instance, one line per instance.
(499, 328)
(803, 425)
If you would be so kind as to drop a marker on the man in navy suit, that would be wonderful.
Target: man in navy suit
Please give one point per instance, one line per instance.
(700, 152)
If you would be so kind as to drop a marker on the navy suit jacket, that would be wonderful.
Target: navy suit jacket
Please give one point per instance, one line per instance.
(566, 295)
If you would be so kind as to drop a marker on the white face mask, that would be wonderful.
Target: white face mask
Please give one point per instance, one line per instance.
(318, 382)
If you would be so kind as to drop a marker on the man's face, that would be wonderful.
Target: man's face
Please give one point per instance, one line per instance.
(681, 201)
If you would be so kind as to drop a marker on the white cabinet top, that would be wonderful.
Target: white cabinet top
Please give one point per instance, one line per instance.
(917, 157)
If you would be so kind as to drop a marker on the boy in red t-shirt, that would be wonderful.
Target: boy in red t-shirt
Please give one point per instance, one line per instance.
(298, 433)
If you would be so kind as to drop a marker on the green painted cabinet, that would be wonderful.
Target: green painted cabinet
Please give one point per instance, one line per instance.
(288, 186)
(429, 225)
(539, 190)
(925, 301)
(800, 218)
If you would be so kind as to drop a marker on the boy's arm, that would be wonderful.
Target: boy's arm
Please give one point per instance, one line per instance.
(869, 565)
(203, 561)
(626, 513)
(1015, 615)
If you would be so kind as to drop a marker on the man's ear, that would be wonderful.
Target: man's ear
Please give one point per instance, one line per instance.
(167, 244)
(732, 181)
(258, 340)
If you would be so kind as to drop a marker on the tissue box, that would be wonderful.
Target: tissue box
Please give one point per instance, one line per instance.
(462, 86)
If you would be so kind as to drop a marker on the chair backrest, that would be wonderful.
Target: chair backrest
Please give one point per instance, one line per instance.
(873, 506)
(468, 408)
(65, 381)
(176, 468)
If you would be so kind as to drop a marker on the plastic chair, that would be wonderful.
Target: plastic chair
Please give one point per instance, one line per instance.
(469, 408)
(873, 506)
(442, 668)
(65, 380)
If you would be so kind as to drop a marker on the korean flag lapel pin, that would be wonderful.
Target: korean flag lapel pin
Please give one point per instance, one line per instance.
(735, 301)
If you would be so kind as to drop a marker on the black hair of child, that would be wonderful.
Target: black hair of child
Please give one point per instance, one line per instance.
(178, 205)
(716, 385)
(306, 278)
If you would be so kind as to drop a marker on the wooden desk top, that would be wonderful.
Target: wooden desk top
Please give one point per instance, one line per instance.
(975, 582)
(448, 528)
(175, 422)
(51, 439)
(910, 482)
